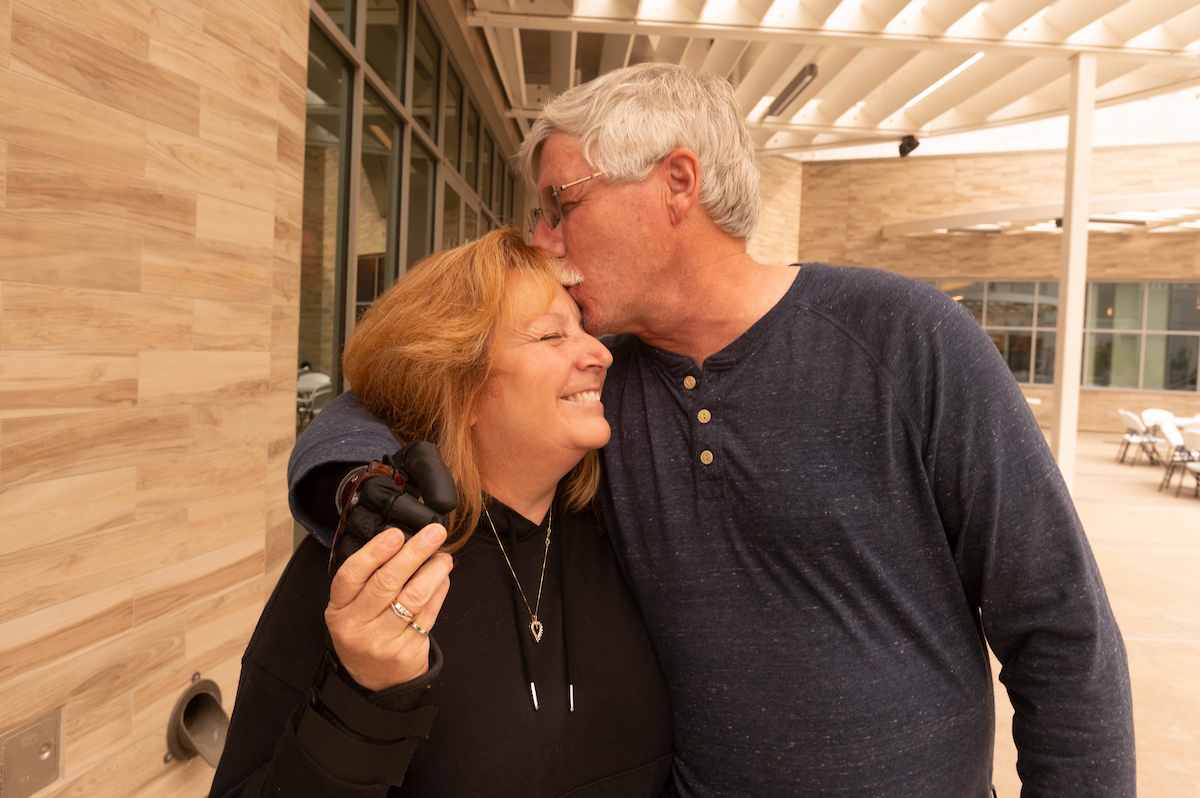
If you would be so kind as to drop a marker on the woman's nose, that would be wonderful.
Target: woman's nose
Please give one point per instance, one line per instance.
(594, 353)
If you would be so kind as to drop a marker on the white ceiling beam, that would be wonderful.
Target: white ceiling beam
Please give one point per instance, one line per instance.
(823, 36)
(1098, 206)
(1070, 16)
(765, 73)
(721, 56)
(506, 51)
(614, 52)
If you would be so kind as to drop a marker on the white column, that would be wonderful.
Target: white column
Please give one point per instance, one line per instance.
(1068, 354)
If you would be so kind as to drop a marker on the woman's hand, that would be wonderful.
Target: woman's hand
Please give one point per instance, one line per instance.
(377, 647)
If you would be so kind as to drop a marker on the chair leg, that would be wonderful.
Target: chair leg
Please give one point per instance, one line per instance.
(1121, 451)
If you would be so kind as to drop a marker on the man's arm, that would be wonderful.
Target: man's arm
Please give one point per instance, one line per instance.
(342, 436)
(1026, 564)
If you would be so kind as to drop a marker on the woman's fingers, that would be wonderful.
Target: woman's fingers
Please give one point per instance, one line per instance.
(357, 570)
(417, 567)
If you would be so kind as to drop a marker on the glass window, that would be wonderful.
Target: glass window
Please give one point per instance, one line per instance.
(1043, 369)
(470, 223)
(485, 168)
(450, 217)
(1111, 360)
(969, 295)
(1170, 362)
(470, 145)
(1015, 347)
(322, 317)
(1173, 306)
(369, 283)
(1047, 305)
(378, 193)
(1114, 306)
(1009, 305)
(387, 34)
(420, 203)
(498, 180)
(453, 128)
(427, 57)
(341, 12)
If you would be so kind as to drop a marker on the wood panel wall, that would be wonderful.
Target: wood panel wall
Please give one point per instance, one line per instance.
(151, 172)
(845, 205)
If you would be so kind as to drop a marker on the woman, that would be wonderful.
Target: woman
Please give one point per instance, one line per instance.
(541, 677)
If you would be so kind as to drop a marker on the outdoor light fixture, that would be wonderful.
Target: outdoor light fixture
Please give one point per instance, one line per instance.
(799, 83)
(908, 144)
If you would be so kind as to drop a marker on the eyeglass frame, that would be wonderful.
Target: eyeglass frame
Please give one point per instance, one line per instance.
(537, 214)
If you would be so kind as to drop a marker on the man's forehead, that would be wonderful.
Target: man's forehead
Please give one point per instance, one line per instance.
(559, 155)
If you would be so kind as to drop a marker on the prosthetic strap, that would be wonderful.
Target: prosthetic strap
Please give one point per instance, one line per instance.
(355, 739)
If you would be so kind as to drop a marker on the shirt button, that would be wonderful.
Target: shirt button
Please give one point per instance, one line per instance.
(704, 416)
(689, 382)
(706, 457)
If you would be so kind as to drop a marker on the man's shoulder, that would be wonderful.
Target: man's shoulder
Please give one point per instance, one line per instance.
(873, 304)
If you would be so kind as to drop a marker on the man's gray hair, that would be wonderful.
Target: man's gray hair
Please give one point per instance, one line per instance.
(629, 119)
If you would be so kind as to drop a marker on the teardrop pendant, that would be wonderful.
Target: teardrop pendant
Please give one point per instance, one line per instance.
(535, 629)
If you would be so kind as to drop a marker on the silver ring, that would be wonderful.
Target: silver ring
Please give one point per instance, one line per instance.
(402, 612)
(413, 624)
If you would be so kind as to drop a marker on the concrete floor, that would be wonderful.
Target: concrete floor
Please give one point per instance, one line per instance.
(1147, 544)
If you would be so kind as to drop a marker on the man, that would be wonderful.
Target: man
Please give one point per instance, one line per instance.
(823, 484)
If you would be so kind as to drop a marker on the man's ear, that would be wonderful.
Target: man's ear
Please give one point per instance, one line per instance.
(681, 171)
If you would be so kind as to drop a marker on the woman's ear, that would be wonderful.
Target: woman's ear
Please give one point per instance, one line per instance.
(681, 171)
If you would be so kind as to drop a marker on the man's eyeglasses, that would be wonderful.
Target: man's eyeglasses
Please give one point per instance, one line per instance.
(550, 209)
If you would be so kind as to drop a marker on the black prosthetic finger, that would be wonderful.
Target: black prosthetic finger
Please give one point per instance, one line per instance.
(428, 475)
(347, 546)
(410, 515)
(363, 523)
(377, 493)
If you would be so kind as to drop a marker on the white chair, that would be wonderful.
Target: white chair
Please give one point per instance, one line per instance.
(1178, 458)
(1191, 442)
(1137, 436)
(311, 387)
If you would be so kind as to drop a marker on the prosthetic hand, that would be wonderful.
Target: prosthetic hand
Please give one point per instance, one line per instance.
(388, 494)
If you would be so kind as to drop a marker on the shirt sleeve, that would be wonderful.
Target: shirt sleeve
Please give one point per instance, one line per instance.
(1024, 562)
(343, 433)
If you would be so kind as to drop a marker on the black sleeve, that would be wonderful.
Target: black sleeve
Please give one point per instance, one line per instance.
(301, 727)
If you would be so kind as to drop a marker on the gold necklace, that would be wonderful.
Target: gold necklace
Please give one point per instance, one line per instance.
(535, 626)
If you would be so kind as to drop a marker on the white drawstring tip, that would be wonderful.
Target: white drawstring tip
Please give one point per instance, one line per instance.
(572, 693)
(533, 692)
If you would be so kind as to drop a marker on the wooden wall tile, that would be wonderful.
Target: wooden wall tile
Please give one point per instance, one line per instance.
(176, 484)
(56, 317)
(155, 697)
(179, 586)
(294, 21)
(41, 577)
(235, 612)
(186, 162)
(293, 60)
(237, 127)
(206, 272)
(38, 383)
(283, 375)
(250, 28)
(292, 109)
(5, 41)
(38, 513)
(97, 734)
(227, 223)
(129, 771)
(46, 49)
(281, 430)
(71, 191)
(231, 325)
(179, 377)
(124, 24)
(285, 285)
(189, 11)
(40, 638)
(3, 171)
(40, 250)
(195, 55)
(215, 523)
(49, 447)
(55, 120)
(229, 425)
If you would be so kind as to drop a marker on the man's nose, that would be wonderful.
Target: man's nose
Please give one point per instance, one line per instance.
(549, 239)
